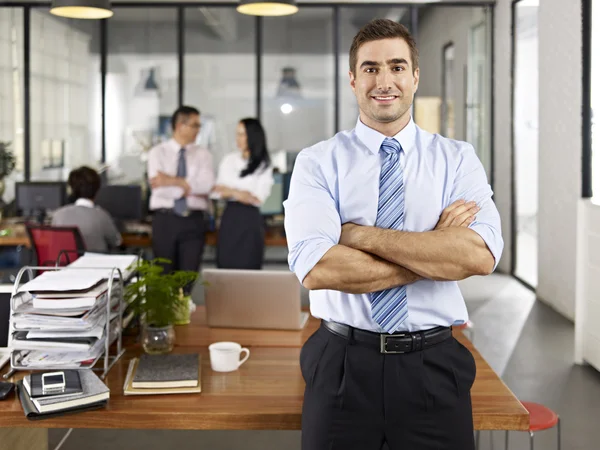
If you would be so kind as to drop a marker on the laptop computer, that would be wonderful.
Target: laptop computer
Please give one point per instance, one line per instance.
(263, 299)
(5, 295)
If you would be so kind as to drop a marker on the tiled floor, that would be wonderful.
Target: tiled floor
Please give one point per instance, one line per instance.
(529, 344)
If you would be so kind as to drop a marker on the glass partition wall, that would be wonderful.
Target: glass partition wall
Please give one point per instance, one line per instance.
(105, 93)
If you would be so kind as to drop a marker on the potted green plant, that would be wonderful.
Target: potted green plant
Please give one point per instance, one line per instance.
(7, 164)
(157, 297)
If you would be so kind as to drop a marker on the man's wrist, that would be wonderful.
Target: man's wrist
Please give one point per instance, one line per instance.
(360, 238)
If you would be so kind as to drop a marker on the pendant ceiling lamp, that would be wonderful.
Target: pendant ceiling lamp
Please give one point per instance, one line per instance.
(82, 9)
(267, 7)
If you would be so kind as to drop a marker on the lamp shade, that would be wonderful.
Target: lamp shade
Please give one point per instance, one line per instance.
(82, 9)
(267, 7)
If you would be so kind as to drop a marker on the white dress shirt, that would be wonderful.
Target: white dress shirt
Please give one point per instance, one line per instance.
(258, 183)
(200, 175)
(337, 181)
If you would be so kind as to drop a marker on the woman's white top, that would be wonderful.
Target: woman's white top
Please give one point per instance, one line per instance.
(258, 183)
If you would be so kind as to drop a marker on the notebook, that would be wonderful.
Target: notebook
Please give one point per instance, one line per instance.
(166, 371)
(94, 391)
(72, 384)
(128, 389)
(32, 413)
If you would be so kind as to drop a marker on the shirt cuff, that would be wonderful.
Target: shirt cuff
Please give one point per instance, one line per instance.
(492, 240)
(306, 254)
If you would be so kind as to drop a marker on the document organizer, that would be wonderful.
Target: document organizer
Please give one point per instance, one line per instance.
(113, 329)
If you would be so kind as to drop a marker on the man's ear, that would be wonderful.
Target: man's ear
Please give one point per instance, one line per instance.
(416, 80)
(352, 81)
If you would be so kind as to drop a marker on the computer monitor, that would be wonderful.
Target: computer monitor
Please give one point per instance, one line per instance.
(287, 178)
(35, 198)
(273, 205)
(121, 201)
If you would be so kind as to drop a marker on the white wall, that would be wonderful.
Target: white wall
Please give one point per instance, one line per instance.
(560, 147)
(11, 90)
(587, 333)
(502, 119)
(61, 63)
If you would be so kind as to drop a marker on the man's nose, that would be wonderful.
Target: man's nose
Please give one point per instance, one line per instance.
(384, 80)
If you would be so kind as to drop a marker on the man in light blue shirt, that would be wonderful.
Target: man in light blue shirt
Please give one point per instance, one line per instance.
(381, 222)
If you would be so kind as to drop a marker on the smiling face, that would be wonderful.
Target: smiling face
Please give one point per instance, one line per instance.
(384, 83)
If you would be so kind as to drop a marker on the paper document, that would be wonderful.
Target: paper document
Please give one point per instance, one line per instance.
(64, 280)
(100, 260)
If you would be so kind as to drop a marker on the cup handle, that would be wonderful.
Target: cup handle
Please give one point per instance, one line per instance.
(245, 357)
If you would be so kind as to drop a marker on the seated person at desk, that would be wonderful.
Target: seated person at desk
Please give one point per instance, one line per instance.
(97, 228)
(245, 179)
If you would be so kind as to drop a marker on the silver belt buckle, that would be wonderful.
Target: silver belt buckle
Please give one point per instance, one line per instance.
(383, 343)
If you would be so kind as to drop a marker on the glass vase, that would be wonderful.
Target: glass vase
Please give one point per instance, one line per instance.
(158, 340)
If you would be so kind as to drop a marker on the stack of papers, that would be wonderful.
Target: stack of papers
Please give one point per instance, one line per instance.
(59, 318)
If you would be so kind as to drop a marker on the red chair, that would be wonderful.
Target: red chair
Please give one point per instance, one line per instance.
(50, 243)
(540, 418)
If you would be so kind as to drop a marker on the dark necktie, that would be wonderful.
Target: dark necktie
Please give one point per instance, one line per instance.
(180, 206)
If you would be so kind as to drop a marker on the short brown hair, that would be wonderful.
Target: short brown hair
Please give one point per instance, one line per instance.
(378, 29)
(84, 183)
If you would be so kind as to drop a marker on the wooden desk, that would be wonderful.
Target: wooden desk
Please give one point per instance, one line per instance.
(265, 394)
(18, 236)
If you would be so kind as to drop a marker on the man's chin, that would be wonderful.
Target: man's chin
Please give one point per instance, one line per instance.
(386, 118)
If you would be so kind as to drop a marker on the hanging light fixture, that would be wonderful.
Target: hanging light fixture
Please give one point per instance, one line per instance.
(267, 7)
(82, 9)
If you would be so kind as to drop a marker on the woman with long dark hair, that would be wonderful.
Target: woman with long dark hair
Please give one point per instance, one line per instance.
(245, 180)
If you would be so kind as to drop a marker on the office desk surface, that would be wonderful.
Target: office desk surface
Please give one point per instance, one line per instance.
(264, 394)
(18, 236)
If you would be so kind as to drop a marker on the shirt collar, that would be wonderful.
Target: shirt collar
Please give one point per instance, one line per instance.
(84, 202)
(174, 146)
(373, 138)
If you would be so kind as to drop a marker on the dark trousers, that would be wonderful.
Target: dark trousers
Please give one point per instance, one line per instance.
(241, 242)
(179, 239)
(358, 398)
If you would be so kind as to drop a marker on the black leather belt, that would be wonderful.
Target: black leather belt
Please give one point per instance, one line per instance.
(189, 213)
(391, 343)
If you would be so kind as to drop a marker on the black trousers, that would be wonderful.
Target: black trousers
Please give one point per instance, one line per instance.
(241, 241)
(179, 239)
(358, 398)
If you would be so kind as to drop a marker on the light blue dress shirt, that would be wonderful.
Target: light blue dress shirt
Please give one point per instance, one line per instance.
(337, 181)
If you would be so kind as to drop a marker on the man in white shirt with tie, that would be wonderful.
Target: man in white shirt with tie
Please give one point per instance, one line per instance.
(181, 176)
(381, 222)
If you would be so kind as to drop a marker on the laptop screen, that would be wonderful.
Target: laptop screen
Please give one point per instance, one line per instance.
(4, 318)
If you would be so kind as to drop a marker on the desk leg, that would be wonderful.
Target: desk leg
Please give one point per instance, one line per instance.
(23, 439)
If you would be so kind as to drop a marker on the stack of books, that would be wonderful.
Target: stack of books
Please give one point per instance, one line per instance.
(163, 374)
(52, 394)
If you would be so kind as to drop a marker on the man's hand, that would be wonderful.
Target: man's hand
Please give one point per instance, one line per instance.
(223, 190)
(458, 214)
(163, 180)
(245, 197)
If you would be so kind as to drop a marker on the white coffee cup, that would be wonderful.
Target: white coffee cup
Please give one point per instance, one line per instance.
(225, 356)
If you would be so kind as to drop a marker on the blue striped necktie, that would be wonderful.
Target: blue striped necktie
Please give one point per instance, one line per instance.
(180, 205)
(389, 307)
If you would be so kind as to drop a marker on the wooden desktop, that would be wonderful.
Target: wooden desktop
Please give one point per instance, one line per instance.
(266, 393)
(14, 234)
